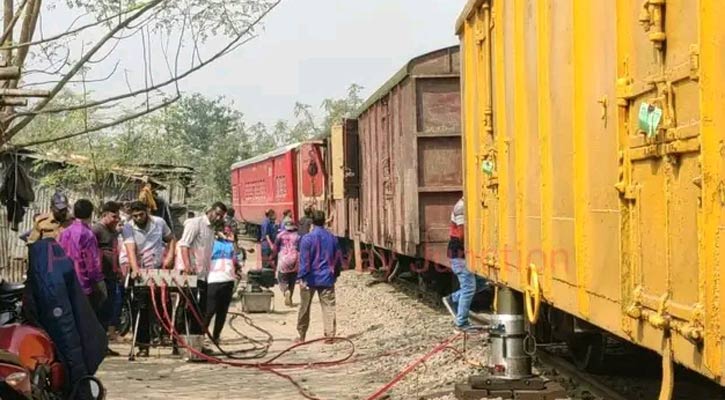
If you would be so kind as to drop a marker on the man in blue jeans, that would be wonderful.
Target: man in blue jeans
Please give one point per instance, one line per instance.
(469, 283)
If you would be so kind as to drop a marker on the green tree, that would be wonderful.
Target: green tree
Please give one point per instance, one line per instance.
(305, 125)
(337, 109)
(209, 135)
(206, 134)
(261, 140)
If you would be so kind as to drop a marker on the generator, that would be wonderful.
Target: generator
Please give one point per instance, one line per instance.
(256, 296)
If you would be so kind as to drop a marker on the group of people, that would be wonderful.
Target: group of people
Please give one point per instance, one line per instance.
(88, 246)
(306, 253)
(128, 238)
(207, 248)
(284, 247)
(280, 245)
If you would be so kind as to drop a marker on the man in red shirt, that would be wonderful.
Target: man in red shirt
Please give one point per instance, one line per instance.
(469, 283)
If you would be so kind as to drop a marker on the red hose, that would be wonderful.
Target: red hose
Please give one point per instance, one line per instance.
(270, 365)
(270, 362)
(267, 366)
(211, 359)
(440, 347)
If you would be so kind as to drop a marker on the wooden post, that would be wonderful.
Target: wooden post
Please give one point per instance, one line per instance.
(7, 73)
(8, 7)
(13, 101)
(358, 255)
(24, 92)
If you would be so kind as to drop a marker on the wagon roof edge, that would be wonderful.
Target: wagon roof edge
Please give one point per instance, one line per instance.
(395, 80)
(470, 7)
(274, 153)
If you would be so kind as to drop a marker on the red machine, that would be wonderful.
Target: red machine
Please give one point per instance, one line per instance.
(35, 352)
(290, 177)
(14, 378)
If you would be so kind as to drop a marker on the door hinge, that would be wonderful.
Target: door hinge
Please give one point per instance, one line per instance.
(652, 19)
(694, 62)
(624, 91)
(627, 192)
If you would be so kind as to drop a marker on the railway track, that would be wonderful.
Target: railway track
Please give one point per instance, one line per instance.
(579, 384)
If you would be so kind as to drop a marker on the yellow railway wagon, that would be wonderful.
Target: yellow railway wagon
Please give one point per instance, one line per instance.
(594, 138)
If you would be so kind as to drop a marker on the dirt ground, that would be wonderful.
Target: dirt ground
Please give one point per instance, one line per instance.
(390, 328)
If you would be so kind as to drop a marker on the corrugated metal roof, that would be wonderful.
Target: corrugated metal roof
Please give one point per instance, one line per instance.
(394, 81)
(13, 251)
(271, 154)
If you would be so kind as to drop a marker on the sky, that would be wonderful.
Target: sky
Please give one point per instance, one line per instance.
(308, 50)
(314, 49)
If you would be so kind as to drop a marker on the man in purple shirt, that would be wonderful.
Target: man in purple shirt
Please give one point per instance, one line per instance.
(80, 245)
(320, 264)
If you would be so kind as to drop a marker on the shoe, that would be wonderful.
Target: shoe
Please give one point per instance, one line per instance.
(468, 328)
(144, 352)
(288, 298)
(300, 339)
(112, 353)
(448, 303)
(207, 351)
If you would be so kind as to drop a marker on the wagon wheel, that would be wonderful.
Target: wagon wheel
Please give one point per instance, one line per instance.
(587, 349)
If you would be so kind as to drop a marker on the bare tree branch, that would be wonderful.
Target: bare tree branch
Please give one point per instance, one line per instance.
(25, 121)
(105, 78)
(67, 32)
(110, 51)
(178, 48)
(146, 70)
(99, 127)
(62, 61)
(233, 44)
(150, 56)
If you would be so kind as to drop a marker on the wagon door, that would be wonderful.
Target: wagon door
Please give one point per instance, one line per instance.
(352, 175)
(481, 174)
(661, 175)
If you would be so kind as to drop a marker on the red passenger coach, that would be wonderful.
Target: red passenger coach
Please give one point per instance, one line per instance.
(290, 177)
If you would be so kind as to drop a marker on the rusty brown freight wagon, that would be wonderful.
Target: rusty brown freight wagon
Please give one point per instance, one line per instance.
(398, 195)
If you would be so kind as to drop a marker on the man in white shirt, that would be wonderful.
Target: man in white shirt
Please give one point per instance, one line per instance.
(196, 245)
(149, 244)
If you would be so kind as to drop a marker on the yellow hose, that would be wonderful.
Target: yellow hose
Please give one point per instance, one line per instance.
(668, 370)
(495, 299)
